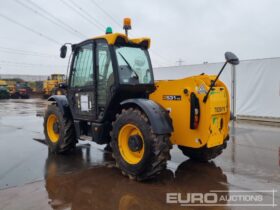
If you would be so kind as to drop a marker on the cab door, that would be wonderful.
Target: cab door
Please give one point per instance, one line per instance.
(81, 93)
(105, 77)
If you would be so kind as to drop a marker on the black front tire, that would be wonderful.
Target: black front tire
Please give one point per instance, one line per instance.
(67, 136)
(156, 147)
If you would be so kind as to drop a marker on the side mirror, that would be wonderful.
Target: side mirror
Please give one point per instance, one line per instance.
(62, 85)
(231, 58)
(63, 51)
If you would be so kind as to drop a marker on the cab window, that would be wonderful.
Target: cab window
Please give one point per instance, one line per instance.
(134, 65)
(82, 72)
(105, 78)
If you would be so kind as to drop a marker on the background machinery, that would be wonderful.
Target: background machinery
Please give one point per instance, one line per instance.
(4, 92)
(19, 89)
(51, 86)
(112, 99)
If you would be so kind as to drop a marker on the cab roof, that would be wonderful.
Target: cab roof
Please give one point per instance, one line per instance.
(116, 38)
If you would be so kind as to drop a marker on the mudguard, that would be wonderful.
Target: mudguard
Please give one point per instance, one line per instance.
(159, 118)
(62, 103)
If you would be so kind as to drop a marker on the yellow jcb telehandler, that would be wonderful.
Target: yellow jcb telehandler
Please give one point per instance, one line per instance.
(112, 98)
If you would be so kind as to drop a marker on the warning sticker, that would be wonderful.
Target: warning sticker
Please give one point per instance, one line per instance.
(84, 103)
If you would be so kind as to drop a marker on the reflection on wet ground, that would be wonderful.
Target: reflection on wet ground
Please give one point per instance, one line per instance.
(106, 188)
(31, 178)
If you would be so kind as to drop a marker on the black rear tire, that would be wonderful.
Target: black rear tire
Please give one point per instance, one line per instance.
(67, 137)
(15, 96)
(24, 97)
(58, 91)
(46, 96)
(156, 147)
(203, 154)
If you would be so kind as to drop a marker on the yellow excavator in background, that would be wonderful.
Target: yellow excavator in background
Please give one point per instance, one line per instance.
(51, 86)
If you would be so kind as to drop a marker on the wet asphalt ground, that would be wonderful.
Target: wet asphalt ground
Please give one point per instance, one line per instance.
(31, 178)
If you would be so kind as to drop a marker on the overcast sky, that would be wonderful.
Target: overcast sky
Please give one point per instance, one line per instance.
(192, 30)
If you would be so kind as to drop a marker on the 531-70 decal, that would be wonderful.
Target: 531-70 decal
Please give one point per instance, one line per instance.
(171, 97)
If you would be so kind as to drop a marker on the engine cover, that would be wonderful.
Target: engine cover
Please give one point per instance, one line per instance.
(214, 115)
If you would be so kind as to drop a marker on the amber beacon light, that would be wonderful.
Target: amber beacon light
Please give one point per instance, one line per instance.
(126, 25)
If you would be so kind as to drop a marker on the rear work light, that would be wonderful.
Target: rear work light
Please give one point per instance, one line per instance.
(195, 112)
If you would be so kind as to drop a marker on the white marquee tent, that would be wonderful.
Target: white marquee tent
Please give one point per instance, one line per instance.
(257, 84)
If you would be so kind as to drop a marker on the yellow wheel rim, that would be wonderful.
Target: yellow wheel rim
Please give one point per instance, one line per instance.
(53, 135)
(128, 155)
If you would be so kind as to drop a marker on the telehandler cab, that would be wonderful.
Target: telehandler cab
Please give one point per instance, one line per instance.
(112, 98)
